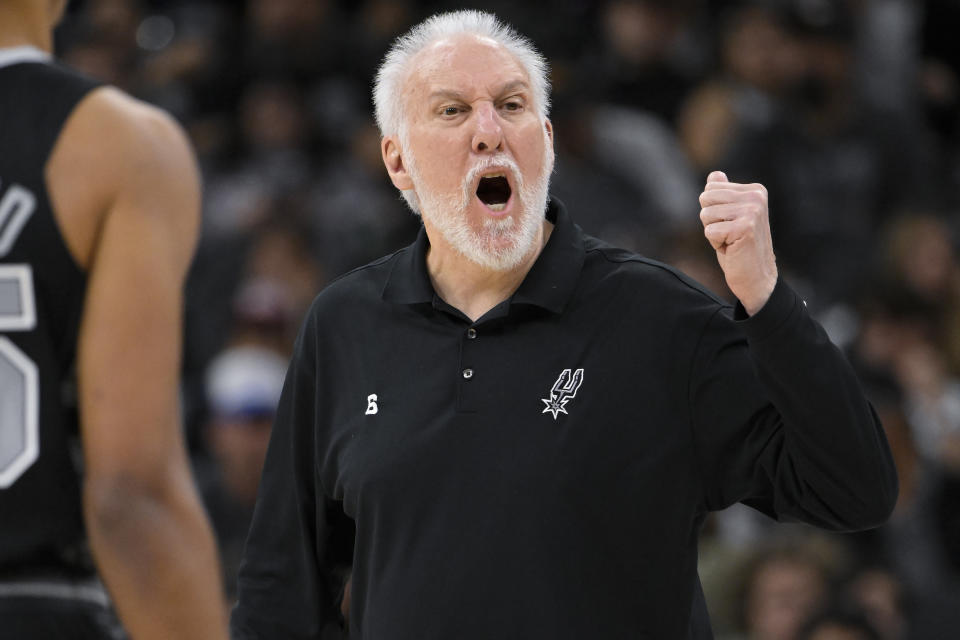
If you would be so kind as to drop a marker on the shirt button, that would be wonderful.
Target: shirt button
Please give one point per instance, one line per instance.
(467, 374)
(471, 333)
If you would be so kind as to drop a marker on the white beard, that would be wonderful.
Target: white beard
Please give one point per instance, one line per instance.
(447, 212)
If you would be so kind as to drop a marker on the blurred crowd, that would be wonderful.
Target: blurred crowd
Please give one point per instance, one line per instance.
(847, 110)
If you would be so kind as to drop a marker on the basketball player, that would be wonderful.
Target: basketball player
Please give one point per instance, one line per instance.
(99, 211)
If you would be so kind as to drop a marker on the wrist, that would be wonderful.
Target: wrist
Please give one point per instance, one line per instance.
(753, 303)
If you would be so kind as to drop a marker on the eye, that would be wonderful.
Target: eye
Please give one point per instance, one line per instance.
(513, 105)
(450, 110)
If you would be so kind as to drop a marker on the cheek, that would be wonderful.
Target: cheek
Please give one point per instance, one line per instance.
(441, 173)
(533, 151)
(437, 160)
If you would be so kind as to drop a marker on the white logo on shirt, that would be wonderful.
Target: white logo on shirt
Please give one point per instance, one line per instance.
(564, 389)
(372, 404)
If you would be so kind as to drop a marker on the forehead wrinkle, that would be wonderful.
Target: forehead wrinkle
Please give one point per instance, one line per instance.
(432, 71)
(512, 85)
(506, 87)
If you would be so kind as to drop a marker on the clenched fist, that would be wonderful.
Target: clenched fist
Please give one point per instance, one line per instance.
(736, 223)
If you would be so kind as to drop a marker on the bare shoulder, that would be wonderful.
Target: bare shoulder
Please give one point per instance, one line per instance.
(140, 130)
(117, 153)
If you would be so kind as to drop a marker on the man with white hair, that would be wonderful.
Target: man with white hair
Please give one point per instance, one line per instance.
(512, 430)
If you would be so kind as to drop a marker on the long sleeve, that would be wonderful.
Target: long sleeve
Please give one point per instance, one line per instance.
(780, 423)
(286, 586)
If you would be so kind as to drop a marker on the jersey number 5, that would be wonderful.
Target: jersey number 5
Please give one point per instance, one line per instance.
(19, 384)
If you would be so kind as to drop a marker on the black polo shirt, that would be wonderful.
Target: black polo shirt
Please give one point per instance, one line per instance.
(543, 472)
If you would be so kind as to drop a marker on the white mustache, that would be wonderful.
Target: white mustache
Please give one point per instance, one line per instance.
(492, 162)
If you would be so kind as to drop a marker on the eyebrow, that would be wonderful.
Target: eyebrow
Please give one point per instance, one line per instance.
(456, 95)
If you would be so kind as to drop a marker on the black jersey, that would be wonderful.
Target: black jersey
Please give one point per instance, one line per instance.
(41, 296)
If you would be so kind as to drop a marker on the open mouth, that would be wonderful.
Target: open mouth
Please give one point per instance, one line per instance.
(494, 191)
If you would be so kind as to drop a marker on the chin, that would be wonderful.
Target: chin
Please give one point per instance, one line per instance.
(500, 249)
(493, 261)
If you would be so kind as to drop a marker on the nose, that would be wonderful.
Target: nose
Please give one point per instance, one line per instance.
(488, 135)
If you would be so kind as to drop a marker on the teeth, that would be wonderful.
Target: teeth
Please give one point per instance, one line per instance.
(497, 207)
(495, 175)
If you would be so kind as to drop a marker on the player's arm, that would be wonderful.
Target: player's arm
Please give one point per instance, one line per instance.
(150, 536)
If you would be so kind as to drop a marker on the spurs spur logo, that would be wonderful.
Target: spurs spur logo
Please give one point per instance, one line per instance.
(564, 389)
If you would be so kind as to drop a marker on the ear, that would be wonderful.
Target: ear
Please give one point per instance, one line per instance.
(393, 160)
(548, 127)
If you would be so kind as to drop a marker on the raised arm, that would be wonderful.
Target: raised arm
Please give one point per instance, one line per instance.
(126, 187)
(779, 419)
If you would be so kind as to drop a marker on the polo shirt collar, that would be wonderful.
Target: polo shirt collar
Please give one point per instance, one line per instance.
(551, 280)
(549, 284)
(409, 282)
(16, 55)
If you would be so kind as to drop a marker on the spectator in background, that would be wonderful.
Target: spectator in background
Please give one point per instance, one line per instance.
(838, 624)
(918, 256)
(879, 594)
(920, 589)
(243, 388)
(908, 542)
(759, 61)
(909, 327)
(622, 164)
(250, 288)
(838, 167)
(278, 255)
(298, 37)
(783, 586)
(275, 160)
(614, 207)
(627, 173)
(651, 55)
(374, 25)
(939, 90)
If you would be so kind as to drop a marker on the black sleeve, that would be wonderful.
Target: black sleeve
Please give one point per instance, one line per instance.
(287, 586)
(780, 423)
